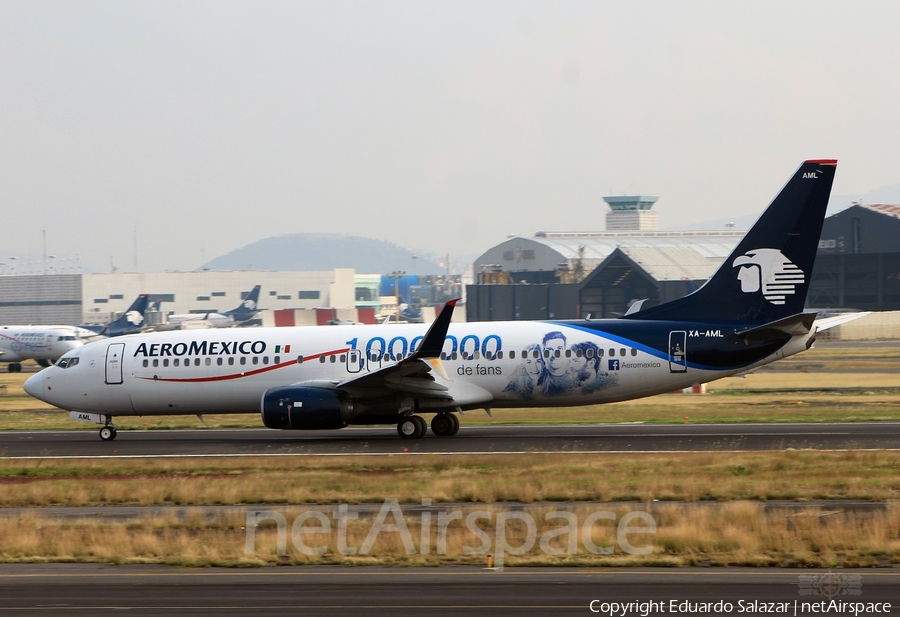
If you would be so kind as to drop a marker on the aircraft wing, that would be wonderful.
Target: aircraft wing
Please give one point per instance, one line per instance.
(824, 323)
(421, 374)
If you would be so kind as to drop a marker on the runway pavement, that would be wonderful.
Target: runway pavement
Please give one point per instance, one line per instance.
(69, 589)
(479, 439)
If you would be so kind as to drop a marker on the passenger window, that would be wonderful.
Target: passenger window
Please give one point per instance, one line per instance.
(175, 362)
(219, 361)
(343, 358)
(243, 360)
(165, 362)
(146, 363)
(612, 353)
(299, 359)
(622, 352)
(208, 361)
(155, 362)
(633, 351)
(231, 361)
(322, 359)
(333, 359)
(512, 355)
(196, 361)
(255, 359)
(568, 353)
(265, 359)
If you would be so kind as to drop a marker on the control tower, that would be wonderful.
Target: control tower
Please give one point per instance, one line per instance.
(630, 213)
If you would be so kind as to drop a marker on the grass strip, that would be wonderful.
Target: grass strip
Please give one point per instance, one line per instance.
(737, 534)
(714, 476)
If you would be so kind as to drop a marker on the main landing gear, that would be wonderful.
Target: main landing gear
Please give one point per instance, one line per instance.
(414, 427)
(14, 367)
(445, 425)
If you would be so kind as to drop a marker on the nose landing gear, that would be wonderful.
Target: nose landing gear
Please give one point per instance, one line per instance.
(108, 432)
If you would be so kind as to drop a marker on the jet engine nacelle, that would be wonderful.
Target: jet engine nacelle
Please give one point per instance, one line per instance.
(296, 407)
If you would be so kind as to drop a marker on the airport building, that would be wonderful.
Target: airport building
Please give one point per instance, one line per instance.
(94, 298)
(286, 298)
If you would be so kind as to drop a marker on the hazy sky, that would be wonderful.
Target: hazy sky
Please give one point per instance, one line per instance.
(442, 126)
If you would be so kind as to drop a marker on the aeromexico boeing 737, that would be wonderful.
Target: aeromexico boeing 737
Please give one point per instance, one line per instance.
(750, 313)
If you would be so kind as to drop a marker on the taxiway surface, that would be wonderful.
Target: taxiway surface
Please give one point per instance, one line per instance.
(70, 589)
(475, 439)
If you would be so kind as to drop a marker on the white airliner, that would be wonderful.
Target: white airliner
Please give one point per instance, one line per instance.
(42, 343)
(750, 313)
(246, 310)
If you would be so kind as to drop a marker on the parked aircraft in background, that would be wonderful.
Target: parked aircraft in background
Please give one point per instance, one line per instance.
(131, 322)
(246, 310)
(45, 344)
(750, 313)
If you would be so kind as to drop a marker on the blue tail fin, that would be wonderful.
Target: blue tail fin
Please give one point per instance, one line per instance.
(248, 308)
(133, 319)
(767, 276)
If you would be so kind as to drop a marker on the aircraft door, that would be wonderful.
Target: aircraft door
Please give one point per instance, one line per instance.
(354, 361)
(114, 355)
(678, 351)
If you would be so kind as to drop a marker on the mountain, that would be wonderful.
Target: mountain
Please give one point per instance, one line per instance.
(310, 252)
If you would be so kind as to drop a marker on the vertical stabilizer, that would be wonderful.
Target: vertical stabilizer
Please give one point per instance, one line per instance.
(767, 275)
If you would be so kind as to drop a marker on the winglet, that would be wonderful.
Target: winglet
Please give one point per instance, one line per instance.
(433, 343)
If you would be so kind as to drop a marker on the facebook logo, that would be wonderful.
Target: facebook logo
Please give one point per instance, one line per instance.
(614, 365)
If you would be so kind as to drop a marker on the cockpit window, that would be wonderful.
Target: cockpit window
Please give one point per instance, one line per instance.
(67, 362)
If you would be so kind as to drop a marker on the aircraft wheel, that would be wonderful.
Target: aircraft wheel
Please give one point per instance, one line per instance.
(455, 419)
(412, 427)
(14, 367)
(442, 424)
(107, 433)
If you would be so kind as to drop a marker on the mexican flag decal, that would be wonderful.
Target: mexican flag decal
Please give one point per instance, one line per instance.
(282, 348)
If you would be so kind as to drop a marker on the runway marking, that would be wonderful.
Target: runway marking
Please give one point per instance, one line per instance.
(527, 571)
(464, 453)
(391, 429)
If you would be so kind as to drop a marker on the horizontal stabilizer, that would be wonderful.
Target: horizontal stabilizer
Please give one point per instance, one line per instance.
(835, 320)
(781, 329)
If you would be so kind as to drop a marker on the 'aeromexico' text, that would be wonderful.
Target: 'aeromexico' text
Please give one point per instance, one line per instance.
(200, 348)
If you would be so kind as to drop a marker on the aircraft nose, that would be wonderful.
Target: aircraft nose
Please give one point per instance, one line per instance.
(34, 385)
